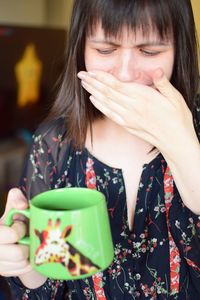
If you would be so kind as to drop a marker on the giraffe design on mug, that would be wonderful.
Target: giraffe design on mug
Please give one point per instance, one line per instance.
(54, 248)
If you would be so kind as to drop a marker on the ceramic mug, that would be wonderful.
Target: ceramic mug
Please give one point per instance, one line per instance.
(69, 233)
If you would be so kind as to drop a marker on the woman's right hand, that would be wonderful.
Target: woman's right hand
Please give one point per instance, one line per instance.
(14, 257)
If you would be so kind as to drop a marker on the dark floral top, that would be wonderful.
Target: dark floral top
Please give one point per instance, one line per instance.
(159, 259)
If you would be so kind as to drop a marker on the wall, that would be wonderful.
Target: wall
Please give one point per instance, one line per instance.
(23, 12)
(36, 12)
(51, 13)
(196, 10)
(59, 17)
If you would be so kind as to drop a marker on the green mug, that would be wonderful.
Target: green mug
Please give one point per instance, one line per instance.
(69, 233)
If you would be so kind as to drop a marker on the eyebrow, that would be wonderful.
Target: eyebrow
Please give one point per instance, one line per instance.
(145, 44)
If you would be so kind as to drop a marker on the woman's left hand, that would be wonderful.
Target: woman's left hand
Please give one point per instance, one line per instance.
(158, 114)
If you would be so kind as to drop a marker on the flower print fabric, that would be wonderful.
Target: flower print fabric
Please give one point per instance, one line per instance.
(159, 259)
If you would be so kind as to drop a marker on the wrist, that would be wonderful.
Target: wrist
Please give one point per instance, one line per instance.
(32, 279)
(181, 149)
(185, 165)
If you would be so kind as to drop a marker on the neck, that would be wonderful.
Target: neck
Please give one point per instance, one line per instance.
(113, 136)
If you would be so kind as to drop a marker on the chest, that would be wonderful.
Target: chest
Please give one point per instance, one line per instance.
(131, 169)
(130, 160)
(131, 175)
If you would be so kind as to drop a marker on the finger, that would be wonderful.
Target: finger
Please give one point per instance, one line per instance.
(108, 97)
(16, 199)
(9, 266)
(125, 94)
(140, 77)
(10, 235)
(20, 228)
(106, 84)
(100, 91)
(100, 76)
(14, 253)
(110, 113)
(15, 269)
(163, 85)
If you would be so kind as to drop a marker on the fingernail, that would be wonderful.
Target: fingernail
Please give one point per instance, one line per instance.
(92, 99)
(81, 75)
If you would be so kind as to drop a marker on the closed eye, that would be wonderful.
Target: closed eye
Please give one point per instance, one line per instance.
(105, 51)
(149, 52)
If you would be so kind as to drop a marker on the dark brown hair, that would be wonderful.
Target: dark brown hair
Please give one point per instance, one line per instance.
(168, 17)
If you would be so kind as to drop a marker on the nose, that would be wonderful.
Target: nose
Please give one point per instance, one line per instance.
(126, 67)
(129, 67)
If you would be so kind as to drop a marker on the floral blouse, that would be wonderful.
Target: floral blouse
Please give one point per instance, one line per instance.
(159, 259)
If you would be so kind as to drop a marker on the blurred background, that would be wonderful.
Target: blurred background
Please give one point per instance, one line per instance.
(32, 41)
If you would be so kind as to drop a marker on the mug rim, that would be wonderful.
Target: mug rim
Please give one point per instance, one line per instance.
(98, 201)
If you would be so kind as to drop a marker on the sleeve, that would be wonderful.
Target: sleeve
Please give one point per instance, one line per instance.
(185, 225)
(42, 163)
(40, 172)
(196, 116)
(185, 229)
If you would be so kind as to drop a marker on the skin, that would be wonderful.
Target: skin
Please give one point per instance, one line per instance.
(129, 57)
(13, 257)
(132, 89)
(134, 92)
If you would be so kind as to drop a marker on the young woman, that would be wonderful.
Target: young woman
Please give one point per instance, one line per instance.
(135, 139)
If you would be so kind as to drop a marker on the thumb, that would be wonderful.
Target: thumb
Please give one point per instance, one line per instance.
(16, 199)
(163, 85)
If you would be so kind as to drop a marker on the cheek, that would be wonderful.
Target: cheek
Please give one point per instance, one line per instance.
(92, 62)
(166, 65)
(168, 68)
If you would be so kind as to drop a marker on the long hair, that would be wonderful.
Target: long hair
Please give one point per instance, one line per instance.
(166, 17)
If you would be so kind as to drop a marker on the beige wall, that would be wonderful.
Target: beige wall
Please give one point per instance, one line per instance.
(23, 12)
(54, 13)
(59, 17)
(196, 10)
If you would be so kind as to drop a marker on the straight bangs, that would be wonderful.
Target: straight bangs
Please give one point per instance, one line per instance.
(144, 15)
(170, 20)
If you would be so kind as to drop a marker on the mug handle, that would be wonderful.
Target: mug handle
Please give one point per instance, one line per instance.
(9, 221)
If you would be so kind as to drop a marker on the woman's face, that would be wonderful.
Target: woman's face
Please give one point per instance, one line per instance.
(129, 57)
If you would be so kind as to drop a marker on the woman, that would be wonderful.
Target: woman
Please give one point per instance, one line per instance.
(133, 142)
